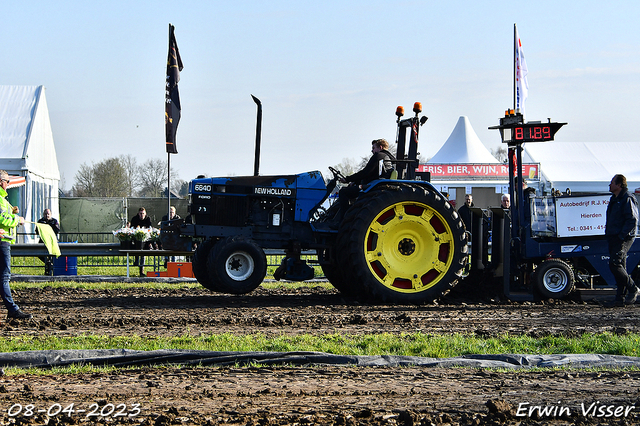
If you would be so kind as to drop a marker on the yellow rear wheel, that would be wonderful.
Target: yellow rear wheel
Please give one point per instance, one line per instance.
(402, 244)
(408, 247)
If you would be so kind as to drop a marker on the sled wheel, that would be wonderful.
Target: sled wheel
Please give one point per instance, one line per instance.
(554, 279)
(333, 273)
(199, 263)
(237, 265)
(405, 244)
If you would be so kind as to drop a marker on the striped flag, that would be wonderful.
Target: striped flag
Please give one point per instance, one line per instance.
(522, 85)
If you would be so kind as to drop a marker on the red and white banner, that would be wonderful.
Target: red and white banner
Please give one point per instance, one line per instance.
(493, 171)
(16, 181)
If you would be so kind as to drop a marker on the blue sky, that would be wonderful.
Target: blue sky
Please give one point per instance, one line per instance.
(329, 74)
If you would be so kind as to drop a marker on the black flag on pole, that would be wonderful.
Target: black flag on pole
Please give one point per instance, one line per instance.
(172, 97)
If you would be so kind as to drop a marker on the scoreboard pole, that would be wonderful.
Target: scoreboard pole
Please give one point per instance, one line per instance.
(515, 132)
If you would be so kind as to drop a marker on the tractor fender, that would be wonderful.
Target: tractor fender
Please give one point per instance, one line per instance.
(387, 182)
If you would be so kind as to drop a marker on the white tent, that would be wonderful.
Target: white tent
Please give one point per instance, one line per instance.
(585, 166)
(464, 165)
(463, 146)
(27, 149)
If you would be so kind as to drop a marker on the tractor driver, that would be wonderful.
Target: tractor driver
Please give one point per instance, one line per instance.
(379, 166)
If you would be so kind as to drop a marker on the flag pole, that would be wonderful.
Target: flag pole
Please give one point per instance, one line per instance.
(169, 153)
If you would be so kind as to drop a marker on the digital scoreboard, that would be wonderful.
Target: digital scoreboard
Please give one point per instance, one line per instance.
(537, 132)
(518, 132)
(532, 133)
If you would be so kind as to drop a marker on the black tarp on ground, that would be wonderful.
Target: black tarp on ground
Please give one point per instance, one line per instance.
(126, 357)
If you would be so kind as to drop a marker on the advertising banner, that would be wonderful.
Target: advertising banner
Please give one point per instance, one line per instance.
(477, 171)
(581, 216)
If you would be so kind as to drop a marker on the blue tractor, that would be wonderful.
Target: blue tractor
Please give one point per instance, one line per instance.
(400, 241)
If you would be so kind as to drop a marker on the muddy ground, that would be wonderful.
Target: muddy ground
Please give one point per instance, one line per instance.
(322, 395)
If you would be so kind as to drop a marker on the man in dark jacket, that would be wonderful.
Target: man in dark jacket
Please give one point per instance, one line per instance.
(379, 166)
(465, 211)
(620, 231)
(141, 220)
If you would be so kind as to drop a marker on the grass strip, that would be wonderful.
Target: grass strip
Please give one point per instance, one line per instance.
(414, 344)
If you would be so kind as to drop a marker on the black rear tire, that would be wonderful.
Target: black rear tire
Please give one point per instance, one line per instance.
(336, 277)
(199, 263)
(403, 244)
(237, 265)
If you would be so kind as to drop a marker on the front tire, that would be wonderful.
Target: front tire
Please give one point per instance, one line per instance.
(403, 244)
(554, 279)
(237, 265)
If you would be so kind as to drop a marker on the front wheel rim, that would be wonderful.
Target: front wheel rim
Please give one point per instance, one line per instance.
(239, 266)
(409, 247)
(555, 280)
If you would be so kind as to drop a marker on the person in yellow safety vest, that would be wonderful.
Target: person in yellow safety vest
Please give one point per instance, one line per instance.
(9, 220)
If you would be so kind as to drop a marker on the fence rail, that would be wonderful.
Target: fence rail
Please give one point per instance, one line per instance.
(91, 251)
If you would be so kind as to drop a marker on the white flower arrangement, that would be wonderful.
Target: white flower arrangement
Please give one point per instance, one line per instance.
(141, 234)
(154, 235)
(137, 234)
(124, 234)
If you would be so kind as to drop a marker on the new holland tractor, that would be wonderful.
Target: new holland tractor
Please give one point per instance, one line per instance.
(400, 240)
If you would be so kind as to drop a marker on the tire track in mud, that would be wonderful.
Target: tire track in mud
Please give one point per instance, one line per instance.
(152, 312)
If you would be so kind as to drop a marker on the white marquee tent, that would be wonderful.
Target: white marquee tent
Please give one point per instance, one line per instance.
(585, 166)
(463, 146)
(27, 149)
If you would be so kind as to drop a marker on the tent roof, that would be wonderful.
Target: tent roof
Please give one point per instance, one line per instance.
(463, 146)
(26, 140)
(585, 166)
(17, 110)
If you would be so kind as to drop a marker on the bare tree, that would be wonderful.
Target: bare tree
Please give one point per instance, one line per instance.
(104, 179)
(83, 186)
(500, 153)
(347, 166)
(153, 178)
(111, 175)
(181, 187)
(132, 173)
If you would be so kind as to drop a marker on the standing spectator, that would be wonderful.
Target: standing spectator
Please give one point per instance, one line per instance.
(172, 215)
(620, 230)
(53, 223)
(465, 211)
(9, 221)
(141, 220)
(505, 201)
